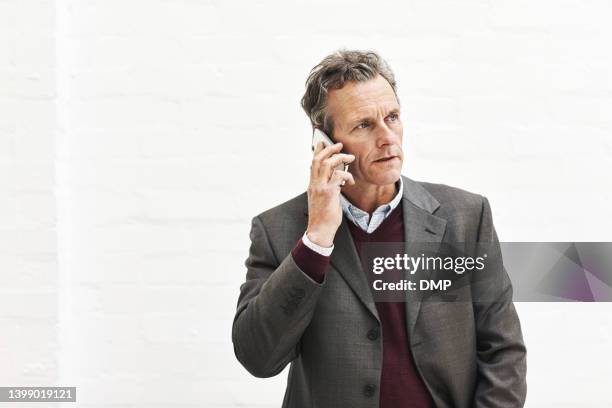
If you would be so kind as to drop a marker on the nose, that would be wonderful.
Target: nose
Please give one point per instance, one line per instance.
(385, 136)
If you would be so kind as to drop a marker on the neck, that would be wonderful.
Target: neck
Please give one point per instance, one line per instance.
(369, 197)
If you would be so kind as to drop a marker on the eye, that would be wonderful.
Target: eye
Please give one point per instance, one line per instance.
(393, 116)
(362, 125)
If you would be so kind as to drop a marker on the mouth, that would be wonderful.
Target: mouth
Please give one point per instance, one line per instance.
(386, 159)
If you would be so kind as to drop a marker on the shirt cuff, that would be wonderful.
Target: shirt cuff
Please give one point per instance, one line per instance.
(310, 262)
(325, 251)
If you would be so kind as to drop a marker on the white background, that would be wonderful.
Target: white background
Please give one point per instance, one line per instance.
(138, 138)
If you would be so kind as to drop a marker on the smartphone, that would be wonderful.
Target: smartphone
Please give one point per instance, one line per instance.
(319, 136)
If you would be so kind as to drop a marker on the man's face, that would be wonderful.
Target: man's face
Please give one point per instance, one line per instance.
(367, 122)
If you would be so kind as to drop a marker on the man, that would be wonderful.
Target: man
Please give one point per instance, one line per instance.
(307, 301)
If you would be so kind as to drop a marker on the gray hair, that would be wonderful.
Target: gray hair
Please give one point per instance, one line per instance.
(332, 73)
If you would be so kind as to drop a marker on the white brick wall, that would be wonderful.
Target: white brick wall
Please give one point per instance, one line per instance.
(28, 245)
(138, 138)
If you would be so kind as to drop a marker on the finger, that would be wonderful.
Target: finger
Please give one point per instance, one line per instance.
(340, 177)
(328, 151)
(322, 155)
(328, 165)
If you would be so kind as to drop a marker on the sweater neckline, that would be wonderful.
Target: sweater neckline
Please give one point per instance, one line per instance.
(383, 229)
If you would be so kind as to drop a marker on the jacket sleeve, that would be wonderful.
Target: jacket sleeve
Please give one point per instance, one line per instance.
(275, 306)
(501, 352)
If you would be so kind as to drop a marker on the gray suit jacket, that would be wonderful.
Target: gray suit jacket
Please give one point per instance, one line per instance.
(470, 354)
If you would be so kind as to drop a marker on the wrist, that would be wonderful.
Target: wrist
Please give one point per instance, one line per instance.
(321, 238)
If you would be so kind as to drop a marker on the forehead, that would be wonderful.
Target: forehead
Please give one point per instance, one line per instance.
(361, 99)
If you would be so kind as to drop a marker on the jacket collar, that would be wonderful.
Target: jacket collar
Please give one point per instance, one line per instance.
(417, 195)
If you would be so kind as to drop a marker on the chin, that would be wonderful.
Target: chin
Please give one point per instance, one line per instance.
(386, 177)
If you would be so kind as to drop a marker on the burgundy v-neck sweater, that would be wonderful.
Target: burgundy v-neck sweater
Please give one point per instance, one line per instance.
(400, 383)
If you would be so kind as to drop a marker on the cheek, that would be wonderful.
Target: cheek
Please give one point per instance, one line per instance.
(366, 166)
(400, 132)
(360, 154)
(356, 166)
(359, 166)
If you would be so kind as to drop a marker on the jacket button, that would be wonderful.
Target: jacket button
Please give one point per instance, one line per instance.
(369, 390)
(373, 334)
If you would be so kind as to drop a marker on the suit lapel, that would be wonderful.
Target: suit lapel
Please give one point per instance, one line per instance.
(346, 261)
(420, 226)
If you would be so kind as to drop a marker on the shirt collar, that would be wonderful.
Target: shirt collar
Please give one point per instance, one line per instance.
(361, 218)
